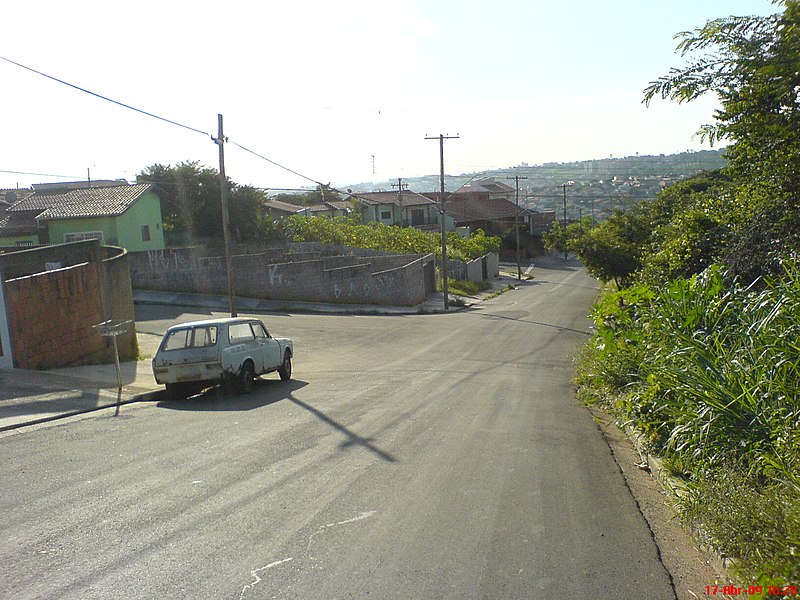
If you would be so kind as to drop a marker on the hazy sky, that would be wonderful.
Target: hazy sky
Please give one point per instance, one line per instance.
(341, 91)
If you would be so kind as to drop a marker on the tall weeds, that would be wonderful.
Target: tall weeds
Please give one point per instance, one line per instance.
(709, 370)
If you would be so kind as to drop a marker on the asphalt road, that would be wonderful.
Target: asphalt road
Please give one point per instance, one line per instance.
(429, 456)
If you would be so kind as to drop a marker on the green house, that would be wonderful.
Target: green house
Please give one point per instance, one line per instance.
(128, 216)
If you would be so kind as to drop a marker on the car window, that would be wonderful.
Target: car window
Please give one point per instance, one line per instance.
(240, 332)
(193, 337)
(259, 330)
(176, 340)
(205, 336)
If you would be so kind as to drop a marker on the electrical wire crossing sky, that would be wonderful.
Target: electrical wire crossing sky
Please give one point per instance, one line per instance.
(340, 92)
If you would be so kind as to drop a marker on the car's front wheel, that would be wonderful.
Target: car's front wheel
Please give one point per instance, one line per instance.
(285, 370)
(244, 383)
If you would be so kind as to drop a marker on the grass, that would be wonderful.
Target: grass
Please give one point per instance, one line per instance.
(467, 288)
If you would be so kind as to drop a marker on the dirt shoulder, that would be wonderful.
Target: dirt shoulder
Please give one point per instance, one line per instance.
(691, 568)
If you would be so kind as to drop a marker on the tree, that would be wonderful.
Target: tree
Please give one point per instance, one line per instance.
(190, 201)
(322, 193)
(613, 249)
(557, 238)
(753, 65)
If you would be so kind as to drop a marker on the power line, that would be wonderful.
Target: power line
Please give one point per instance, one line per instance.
(280, 166)
(107, 99)
(41, 174)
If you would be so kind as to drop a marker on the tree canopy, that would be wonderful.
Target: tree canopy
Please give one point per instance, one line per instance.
(753, 65)
(746, 217)
(190, 201)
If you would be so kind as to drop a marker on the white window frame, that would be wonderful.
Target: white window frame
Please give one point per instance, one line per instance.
(80, 236)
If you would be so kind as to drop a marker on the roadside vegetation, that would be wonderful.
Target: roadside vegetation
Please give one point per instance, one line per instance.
(697, 342)
(376, 236)
(466, 288)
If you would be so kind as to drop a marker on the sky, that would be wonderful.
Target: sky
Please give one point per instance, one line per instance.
(340, 92)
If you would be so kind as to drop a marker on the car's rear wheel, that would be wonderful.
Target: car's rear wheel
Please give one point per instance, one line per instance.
(285, 370)
(244, 384)
(177, 391)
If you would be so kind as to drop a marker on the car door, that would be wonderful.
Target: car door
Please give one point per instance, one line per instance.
(270, 350)
(243, 345)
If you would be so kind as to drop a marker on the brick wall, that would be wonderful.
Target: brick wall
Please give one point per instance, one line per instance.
(51, 316)
(18, 263)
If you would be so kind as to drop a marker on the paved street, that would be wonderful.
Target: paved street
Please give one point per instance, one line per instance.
(412, 456)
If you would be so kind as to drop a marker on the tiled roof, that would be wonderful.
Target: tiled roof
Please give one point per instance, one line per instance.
(405, 198)
(470, 208)
(86, 202)
(493, 187)
(283, 206)
(328, 206)
(14, 195)
(19, 223)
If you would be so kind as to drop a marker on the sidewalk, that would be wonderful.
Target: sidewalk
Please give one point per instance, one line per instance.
(30, 397)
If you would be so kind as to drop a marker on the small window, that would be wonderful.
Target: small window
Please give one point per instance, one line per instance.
(386, 215)
(259, 331)
(83, 235)
(145, 233)
(239, 333)
(205, 337)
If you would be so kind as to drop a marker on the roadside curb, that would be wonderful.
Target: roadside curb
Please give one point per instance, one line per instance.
(151, 396)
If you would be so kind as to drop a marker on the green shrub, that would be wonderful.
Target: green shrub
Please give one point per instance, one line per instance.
(376, 236)
(709, 370)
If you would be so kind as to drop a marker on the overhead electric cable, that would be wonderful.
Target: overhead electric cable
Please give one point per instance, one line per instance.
(272, 162)
(41, 174)
(107, 99)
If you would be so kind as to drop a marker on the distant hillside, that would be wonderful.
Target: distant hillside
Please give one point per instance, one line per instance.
(603, 184)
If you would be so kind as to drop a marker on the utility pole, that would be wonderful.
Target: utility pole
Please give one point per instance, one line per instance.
(564, 185)
(223, 192)
(400, 187)
(516, 179)
(441, 139)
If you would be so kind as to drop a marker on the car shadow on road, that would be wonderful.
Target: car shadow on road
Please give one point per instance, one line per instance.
(265, 392)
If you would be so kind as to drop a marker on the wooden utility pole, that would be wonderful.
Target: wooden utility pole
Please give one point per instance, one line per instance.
(441, 139)
(564, 185)
(516, 179)
(223, 192)
(400, 187)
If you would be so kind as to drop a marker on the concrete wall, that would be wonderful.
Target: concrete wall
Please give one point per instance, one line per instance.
(382, 279)
(474, 269)
(6, 359)
(20, 262)
(492, 264)
(479, 269)
(51, 312)
(117, 297)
